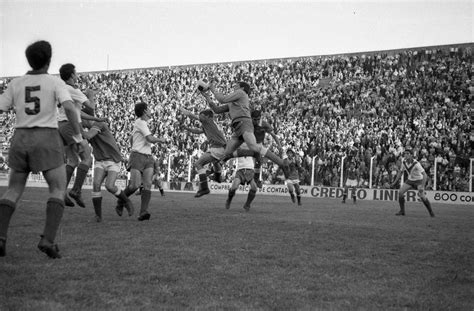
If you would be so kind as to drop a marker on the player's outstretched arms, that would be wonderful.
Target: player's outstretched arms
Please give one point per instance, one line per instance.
(193, 130)
(152, 139)
(214, 107)
(188, 113)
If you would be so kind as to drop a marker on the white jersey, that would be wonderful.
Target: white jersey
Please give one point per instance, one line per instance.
(245, 163)
(78, 99)
(415, 170)
(139, 134)
(34, 98)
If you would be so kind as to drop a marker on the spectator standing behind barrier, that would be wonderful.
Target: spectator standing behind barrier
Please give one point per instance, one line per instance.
(36, 145)
(419, 94)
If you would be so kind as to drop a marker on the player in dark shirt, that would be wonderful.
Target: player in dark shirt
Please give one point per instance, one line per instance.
(351, 180)
(293, 179)
(237, 104)
(216, 147)
(108, 159)
(262, 127)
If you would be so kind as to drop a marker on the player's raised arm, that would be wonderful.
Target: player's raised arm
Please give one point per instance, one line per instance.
(152, 139)
(213, 106)
(188, 113)
(90, 103)
(193, 130)
(73, 117)
(86, 116)
(221, 98)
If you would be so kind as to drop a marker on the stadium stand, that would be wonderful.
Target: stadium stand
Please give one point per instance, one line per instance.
(377, 103)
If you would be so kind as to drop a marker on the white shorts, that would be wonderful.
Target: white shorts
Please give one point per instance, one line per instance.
(351, 182)
(108, 166)
(292, 181)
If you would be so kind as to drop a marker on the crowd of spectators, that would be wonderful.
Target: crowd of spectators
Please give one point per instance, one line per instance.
(377, 104)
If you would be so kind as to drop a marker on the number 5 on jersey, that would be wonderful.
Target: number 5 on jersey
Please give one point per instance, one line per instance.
(32, 99)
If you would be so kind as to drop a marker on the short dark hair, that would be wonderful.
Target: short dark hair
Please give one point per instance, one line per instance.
(39, 54)
(245, 86)
(208, 113)
(140, 109)
(66, 71)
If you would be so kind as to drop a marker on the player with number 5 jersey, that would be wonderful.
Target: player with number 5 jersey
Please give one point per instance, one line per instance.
(36, 145)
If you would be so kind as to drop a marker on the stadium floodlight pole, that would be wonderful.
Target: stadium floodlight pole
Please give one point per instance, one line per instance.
(190, 163)
(341, 183)
(371, 170)
(312, 171)
(471, 172)
(435, 175)
(169, 168)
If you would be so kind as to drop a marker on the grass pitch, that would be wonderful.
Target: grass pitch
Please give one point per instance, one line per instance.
(195, 254)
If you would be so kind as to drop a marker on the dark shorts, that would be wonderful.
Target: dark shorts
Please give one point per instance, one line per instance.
(140, 161)
(240, 126)
(66, 131)
(36, 150)
(245, 175)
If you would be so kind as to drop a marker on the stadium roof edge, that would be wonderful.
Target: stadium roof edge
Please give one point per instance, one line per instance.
(446, 46)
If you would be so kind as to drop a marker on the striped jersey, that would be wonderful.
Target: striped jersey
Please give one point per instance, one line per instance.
(34, 98)
(414, 170)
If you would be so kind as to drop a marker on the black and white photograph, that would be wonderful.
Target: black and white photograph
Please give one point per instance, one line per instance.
(236, 155)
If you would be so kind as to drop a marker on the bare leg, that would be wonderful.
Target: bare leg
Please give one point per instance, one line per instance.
(56, 179)
(146, 194)
(401, 199)
(99, 176)
(16, 186)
